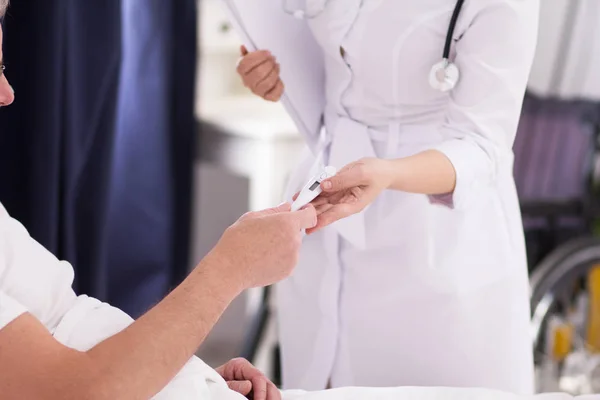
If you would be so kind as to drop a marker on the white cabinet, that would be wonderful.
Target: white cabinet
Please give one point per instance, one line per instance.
(216, 33)
(219, 51)
(262, 140)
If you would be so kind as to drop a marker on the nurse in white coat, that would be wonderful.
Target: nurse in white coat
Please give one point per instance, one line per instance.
(422, 279)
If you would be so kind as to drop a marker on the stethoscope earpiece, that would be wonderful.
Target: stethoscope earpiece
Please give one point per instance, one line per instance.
(444, 76)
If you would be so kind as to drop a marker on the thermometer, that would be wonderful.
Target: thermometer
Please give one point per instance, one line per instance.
(313, 188)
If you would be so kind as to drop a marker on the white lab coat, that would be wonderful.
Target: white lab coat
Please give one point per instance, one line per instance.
(417, 290)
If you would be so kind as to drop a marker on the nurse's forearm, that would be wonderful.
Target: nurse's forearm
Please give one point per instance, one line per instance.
(429, 172)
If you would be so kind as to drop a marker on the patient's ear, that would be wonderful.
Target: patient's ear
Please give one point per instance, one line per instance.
(7, 94)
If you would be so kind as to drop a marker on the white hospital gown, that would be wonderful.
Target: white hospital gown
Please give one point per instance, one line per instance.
(33, 280)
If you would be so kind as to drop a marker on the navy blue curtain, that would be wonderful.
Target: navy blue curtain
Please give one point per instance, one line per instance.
(90, 184)
(56, 140)
(153, 161)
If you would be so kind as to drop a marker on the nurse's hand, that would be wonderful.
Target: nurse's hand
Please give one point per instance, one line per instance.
(260, 73)
(244, 378)
(353, 188)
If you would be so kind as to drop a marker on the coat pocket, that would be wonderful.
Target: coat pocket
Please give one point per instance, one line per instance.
(471, 248)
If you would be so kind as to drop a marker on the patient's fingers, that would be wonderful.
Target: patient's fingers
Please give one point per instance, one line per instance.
(239, 372)
(242, 387)
(273, 393)
(259, 388)
(284, 207)
(335, 213)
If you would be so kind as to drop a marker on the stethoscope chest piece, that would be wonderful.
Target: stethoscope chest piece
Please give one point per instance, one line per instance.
(444, 76)
(299, 14)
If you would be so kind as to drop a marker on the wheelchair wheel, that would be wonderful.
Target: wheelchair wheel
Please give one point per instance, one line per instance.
(564, 298)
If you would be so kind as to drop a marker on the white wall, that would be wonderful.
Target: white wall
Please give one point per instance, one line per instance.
(567, 62)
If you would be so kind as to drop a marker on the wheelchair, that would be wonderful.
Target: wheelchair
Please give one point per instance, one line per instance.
(556, 153)
(556, 157)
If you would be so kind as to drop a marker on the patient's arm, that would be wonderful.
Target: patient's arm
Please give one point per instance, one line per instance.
(54, 345)
(133, 364)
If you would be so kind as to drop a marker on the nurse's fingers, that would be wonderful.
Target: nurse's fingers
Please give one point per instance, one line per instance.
(276, 93)
(268, 83)
(243, 50)
(253, 60)
(352, 176)
(260, 73)
(323, 208)
(334, 214)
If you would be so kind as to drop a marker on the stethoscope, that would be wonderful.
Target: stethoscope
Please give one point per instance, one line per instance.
(443, 76)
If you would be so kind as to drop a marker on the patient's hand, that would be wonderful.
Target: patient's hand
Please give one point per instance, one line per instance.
(244, 378)
(261, 248)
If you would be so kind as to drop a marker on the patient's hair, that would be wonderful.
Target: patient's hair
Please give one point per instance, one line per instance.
(3, 7)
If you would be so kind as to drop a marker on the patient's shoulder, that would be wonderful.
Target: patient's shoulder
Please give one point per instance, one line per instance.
(10, 227)
(3, 212)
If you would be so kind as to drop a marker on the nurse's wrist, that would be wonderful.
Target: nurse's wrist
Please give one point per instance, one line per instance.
(429, 172)
(390, 172)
